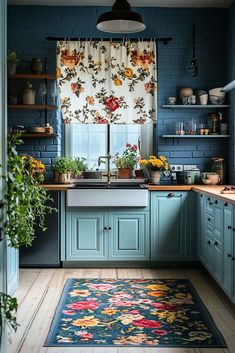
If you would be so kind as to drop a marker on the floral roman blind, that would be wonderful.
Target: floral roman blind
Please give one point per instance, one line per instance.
(105, 82)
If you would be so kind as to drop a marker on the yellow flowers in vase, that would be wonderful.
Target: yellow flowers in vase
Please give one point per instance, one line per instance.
(154, 166)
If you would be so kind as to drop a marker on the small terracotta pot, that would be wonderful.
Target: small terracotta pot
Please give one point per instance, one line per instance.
(125, 173)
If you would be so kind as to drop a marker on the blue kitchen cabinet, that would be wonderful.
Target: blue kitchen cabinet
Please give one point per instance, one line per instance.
(107, 235)
(86, 238)
(129, 239)
(228, 280)
(171, 232)
(12, 270)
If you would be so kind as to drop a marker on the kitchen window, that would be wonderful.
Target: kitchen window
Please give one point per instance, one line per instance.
(93, 140)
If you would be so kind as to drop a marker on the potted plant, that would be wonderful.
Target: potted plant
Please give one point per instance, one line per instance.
(127, 161)
(12, 62)
(63, 168)
(154, 166)
(79, 166)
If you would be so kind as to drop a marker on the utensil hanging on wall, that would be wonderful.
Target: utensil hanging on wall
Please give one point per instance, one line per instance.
(193, 67)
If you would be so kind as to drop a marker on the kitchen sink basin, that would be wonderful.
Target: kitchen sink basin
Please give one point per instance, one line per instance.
(107, 196)
(106, 186)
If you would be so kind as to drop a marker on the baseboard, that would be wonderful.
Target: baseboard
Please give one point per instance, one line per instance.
(130, 264)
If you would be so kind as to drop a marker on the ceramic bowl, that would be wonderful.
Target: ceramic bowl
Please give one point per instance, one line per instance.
(217, 92)
(216, 99)
(207, 181)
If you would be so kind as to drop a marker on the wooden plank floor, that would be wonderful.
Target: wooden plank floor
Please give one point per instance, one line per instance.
(40, 290)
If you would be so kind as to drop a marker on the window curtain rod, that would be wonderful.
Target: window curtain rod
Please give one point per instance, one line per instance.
(164, 40)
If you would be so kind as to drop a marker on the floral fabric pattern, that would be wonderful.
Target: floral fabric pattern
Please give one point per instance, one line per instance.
(105, 82)
(132, 312)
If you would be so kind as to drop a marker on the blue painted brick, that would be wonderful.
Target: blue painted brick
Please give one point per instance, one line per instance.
(46, 161)
(52, 148)
(49, 154)
(198, 154)
(39, 148)
(182, 154)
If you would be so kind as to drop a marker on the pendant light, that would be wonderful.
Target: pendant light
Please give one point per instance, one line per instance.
(121, 19)
(193, 67)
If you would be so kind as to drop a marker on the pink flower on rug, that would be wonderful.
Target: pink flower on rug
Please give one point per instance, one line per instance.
(145, 301)
(103, 287)
(84, 336)
(69, 312)
(160, 332)
(125, 303)
(169, 307)
(146, 323)
(83, 305)
(120, 295)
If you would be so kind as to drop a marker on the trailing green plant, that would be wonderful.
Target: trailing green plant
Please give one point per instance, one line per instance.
(8, 309)
(12, 57)
(26, 201)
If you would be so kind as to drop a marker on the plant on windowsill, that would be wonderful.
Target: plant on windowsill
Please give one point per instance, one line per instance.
(63, 168)
(154, 166)
(127, 161)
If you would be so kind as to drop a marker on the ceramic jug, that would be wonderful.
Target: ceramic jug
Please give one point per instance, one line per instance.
(28, 94)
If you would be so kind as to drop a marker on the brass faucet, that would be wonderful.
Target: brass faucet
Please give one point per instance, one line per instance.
(108, 174)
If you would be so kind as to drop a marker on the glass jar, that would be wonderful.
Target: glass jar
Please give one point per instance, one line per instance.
(218, 166)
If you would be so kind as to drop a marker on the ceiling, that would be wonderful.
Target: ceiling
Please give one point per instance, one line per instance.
(140, 3)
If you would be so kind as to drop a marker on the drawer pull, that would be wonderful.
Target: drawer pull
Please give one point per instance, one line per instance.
(226, 204)
(171, 194)
(209, 219)
(229, 227)
(210, 203)
(233, 258)
(201, 195)
(216, 243)
(109, 228)
(209, 242)
(209, 199)
(229, 255)
(216, 202)
(105, 228)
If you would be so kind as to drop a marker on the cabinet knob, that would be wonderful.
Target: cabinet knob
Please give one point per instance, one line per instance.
(216, 243)
(209, 219)
(105, 228)
(209, 199)
(229, 227)
(233, 258)
(210, 203)
(226, 204)
(171, 194)
(229, 255)
(216, 202)
(201, 195)
(209, 242)
(109, 228)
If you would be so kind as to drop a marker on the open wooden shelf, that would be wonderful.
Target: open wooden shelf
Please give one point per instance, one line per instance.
(31, 107)
(37, 135)
(195, 136)
(32, 77)
(195, 106)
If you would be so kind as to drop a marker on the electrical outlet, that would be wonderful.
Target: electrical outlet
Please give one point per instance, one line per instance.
(190, 167)
(176, 167)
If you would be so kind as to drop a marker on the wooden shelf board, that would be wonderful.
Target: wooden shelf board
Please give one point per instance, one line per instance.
(37, 135)
(196, 106)
(32, 77)
(195, 136)
(31, 107)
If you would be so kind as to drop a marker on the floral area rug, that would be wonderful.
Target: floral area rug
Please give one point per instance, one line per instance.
(132, 312)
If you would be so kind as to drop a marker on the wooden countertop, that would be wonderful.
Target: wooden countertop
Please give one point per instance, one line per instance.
(210, 190)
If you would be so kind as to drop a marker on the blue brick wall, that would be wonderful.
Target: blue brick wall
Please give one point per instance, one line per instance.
(231, 77)
(29, 25)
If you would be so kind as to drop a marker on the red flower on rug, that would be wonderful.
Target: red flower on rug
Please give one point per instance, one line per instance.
(146, 323)
(162, 306)
(86, 305)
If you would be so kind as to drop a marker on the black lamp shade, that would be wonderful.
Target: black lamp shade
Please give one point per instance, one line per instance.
(121, 19)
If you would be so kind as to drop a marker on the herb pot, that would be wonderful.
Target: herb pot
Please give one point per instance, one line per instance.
(65, 178)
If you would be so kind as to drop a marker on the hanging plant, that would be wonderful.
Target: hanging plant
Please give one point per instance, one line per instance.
(8, 309)
(26, 202)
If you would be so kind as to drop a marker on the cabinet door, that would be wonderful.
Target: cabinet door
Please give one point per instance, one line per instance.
(200, 223)
(12, 269)
(228, 253)
(129, 236)
(209, 254)
(170, 226)
(218, 261)
(218, 220)
(86, 237)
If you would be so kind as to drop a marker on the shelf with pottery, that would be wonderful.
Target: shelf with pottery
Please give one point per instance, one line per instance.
(195, 136)
(32, 107)
(195, 106)
(30, 76)
(37, 135)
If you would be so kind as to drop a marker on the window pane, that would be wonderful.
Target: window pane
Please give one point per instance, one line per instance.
(88, 141)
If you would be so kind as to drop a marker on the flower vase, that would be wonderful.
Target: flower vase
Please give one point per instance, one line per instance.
(154, 176)
(125, 173)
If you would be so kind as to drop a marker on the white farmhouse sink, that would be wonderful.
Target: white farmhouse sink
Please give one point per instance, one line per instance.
(107, 197)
